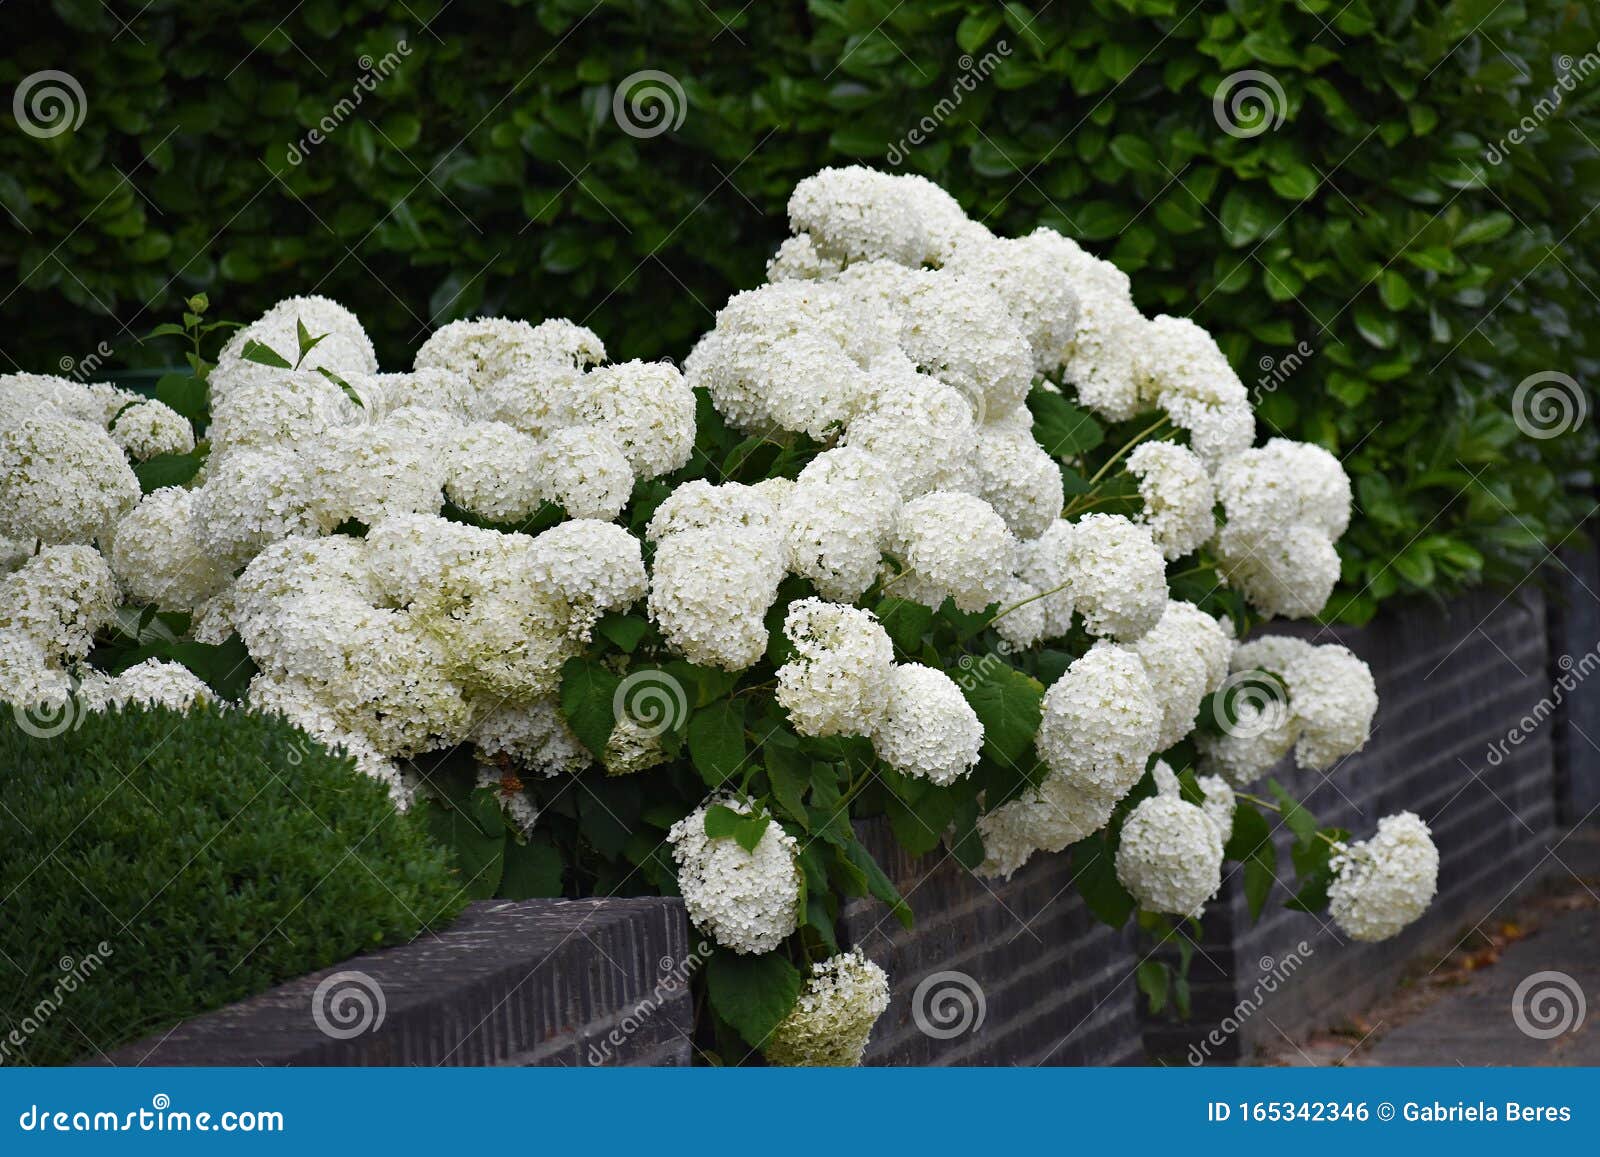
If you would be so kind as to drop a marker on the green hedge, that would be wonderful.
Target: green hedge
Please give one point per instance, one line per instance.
(156, 865)
(486, 173)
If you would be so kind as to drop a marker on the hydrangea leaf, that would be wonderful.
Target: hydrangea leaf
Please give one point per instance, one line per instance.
(752, 993)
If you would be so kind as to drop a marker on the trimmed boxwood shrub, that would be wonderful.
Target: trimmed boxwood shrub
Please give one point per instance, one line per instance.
(155, 865)
(1390, 222)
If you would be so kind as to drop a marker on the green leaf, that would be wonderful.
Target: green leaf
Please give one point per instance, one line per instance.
(1008, 703)
(186, 394)
(168, 470)
(1295, 817)
(532, 871)
(789, 773)
(1258, 881)
(477, 846)
(262, 354)
(906, 621)
(751, 993)
(1062, 428)
(588, 699)
(626, 631)
(723, 823)
(1154, 976)
(717, 741)
(1094, 865)
(879, 884)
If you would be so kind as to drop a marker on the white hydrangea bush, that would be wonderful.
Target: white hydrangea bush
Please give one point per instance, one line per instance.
(935, 525)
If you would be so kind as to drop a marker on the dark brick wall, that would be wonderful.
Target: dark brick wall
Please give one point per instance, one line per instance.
(1574, 636)
(540, 982)
(1451, 681)
(1056, 984)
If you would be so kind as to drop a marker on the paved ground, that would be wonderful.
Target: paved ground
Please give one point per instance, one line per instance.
(1470, 1013)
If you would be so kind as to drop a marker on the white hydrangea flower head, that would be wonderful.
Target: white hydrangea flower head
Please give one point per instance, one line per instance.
(1099, 363)
(955, 546)
(1022, 620)
(297, 702)
(1334, 698)
(797, 259)
(58, 599)
(1286, 483)
(1101, 722)
(1170, 855)
(1386, 882)
(1284, 572)
(532, 734)
(155, 683)
(1030, 275)
(1186, 657)
(748, 902)
(647, 407)
(370, 472)
(288, 408)
(437, 389)
(490, 349)
(30, 677)
(1056, 815)
(148, 428)
(922, 429)
(61, 481)
(858, 214)
(492, 470)
(959, 330)
(48, 396)
(945, 223)
(251, 499)
(1220, 803)
(928, 728)
(837, 517)
(157, 557)
(595, 566)
(344, 347)
(1017, 476)
(719, 558)
(833, 1018)
(1043, 565)
(583, 470)
(1117, 574)
(837, 682)
(1177, 494)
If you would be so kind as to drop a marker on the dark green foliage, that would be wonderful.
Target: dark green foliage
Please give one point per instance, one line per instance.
(1384, 265)
(198, 859)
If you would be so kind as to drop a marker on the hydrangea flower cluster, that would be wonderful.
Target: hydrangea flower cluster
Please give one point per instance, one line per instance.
(418, 561)
(1384, 883)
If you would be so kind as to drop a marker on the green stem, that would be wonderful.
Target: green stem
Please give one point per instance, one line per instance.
(1277, 808)
(1127, 446)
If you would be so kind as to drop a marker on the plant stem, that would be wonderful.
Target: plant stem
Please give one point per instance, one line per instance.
(1274, 806)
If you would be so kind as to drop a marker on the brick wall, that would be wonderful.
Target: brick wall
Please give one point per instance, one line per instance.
(1574, 636)
(540, 982)
(1451, 682)
(1055, 985)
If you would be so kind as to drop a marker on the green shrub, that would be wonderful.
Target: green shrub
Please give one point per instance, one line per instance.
(486, 173)
(155, 865)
